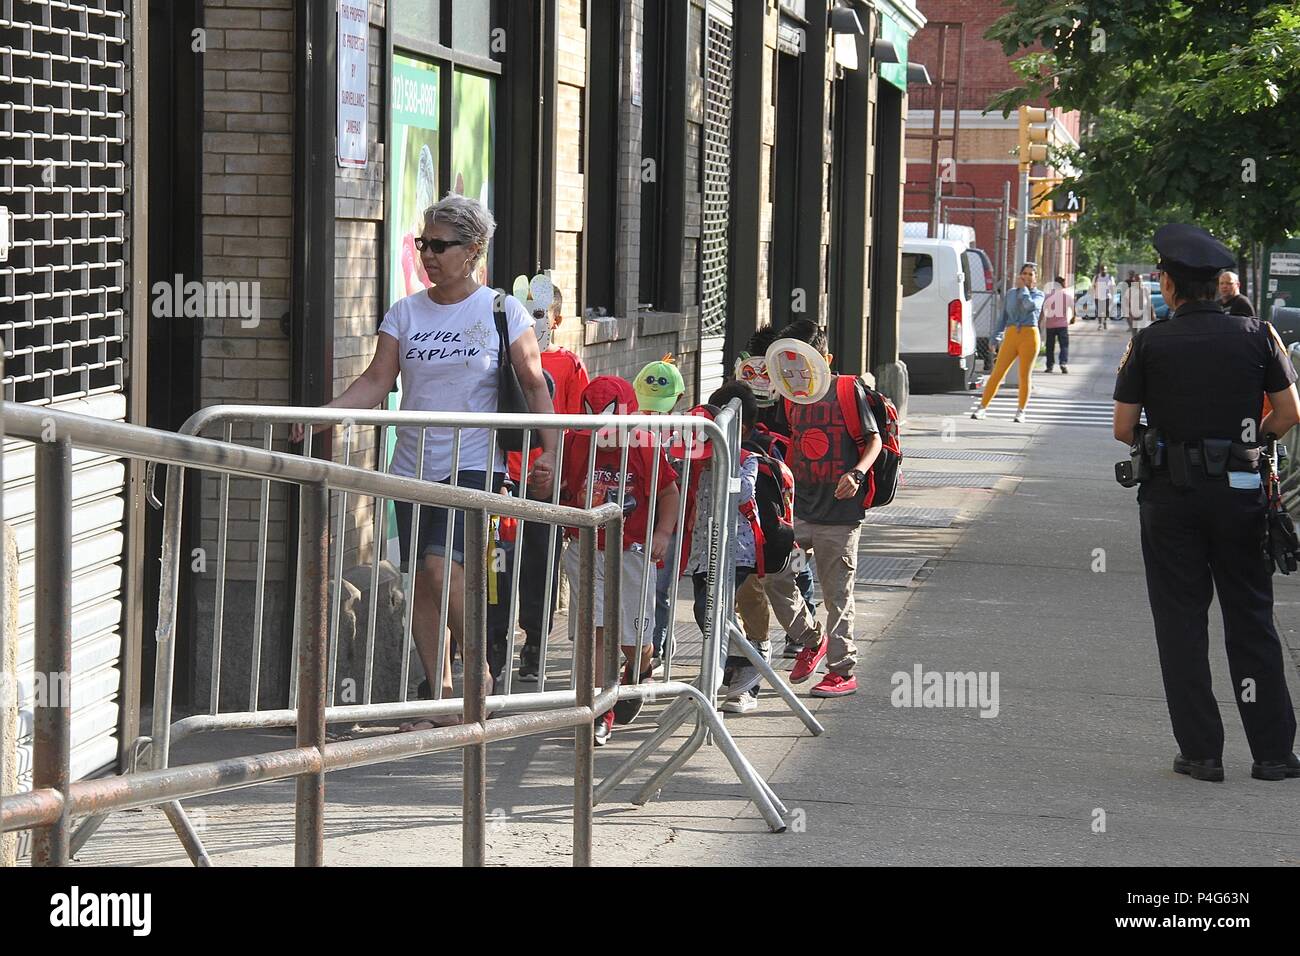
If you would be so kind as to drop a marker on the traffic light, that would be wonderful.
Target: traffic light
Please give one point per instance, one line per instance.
(1067, 202)
(1034, 132)
(1039, 204)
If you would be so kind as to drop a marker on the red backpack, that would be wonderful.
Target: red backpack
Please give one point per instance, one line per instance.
(882, 479)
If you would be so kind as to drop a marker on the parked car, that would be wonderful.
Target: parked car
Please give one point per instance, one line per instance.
(1287, 323)
(936, 335)
(1159, 305)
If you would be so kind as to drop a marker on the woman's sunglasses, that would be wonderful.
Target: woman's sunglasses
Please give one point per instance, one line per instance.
(436, 246)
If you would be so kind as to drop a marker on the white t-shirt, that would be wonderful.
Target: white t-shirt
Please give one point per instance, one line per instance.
(448, 357)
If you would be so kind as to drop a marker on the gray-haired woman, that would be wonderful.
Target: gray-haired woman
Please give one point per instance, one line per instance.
(444, 342)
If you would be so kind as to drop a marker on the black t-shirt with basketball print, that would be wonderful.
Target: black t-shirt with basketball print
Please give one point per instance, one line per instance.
(823, 450)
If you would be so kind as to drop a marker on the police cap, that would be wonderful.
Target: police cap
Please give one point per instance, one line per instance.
(1191, 251)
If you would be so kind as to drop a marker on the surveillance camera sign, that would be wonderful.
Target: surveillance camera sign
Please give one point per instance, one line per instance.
(354, 77)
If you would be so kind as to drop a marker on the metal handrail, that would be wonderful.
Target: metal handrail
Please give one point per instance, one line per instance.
(55, 799)
(186, 451)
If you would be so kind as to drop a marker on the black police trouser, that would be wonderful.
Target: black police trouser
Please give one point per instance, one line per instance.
(1194, 541)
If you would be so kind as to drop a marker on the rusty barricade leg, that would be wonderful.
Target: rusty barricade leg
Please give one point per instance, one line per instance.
(474, 792)
(313, 551)
(52, 751)
(584, 646)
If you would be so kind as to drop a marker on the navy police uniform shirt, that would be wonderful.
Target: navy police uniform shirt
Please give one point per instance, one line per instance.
(1202, 373)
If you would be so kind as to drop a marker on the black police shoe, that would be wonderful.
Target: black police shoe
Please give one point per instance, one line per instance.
(1276, 769)
(1210, 769)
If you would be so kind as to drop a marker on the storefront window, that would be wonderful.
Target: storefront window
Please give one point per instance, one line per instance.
(471, 136)
(471, 26)
(416, 18)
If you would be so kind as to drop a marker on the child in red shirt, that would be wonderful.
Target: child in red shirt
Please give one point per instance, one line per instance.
(609, 395)
(570, 377)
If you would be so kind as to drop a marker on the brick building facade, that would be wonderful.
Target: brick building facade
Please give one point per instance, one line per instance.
(686, 170)
(985, 158)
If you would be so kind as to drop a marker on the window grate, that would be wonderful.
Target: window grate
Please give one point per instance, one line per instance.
(63, 87)
(716, 173)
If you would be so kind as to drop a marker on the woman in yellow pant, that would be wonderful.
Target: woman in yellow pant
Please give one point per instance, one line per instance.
(1018, 328)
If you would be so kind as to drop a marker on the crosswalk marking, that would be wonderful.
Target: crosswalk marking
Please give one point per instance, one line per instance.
(1053, 410)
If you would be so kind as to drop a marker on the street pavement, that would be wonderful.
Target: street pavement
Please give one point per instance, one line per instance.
(1037, 580)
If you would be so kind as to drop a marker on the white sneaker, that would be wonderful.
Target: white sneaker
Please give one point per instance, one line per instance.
(979, 413)
(1019, 416)
(744, 704)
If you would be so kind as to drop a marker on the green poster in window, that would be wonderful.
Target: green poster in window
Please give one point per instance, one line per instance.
(413, 181)
(471, 136)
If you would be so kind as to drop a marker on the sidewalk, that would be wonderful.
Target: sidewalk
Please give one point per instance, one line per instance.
(1009, 587)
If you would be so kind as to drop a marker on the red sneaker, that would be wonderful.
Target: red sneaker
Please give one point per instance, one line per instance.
(835, 685)
(807, 662)
(604, 728)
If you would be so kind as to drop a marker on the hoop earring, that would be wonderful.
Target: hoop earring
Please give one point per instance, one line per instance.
(468, 270)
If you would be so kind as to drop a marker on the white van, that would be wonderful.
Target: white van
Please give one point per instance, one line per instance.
(936, 332)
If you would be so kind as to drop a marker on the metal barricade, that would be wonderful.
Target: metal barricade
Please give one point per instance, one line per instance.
(55, 800)
(697, 699)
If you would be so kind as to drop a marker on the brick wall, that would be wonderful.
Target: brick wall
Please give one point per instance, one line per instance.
(985, 152)
(247, 224)
(570, 127)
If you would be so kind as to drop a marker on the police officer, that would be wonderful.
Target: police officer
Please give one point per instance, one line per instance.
(1201, 374)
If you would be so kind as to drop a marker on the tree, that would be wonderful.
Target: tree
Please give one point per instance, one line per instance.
(1192, 109)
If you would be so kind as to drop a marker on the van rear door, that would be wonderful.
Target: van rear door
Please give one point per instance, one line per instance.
(919, 327)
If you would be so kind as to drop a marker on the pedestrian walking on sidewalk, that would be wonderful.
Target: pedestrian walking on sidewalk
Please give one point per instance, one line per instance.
(1103, 291)
(1202, 505)
(770, 436)
(445, 343)
(1058, 316)
(831, 456)
(1135, 303)
(1017, 337)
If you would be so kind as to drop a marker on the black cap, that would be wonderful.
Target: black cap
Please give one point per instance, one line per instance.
(1192, 251)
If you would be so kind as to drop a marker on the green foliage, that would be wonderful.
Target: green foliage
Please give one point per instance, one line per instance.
(1192, 108)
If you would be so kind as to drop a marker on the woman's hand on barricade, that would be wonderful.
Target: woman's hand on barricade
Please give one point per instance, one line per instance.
(541, 475)
(297, 431)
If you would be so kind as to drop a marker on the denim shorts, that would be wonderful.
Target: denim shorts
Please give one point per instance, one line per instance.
(433, 521)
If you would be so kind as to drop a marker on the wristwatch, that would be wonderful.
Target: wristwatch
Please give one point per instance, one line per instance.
(858, 474)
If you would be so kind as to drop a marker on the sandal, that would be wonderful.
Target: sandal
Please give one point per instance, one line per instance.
(429, 723)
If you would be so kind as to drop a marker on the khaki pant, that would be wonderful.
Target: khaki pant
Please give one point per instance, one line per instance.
(751, 608)
(835, 550)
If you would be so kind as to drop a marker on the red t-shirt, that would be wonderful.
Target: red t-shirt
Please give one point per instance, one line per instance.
(607, 480)
(570, 377)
